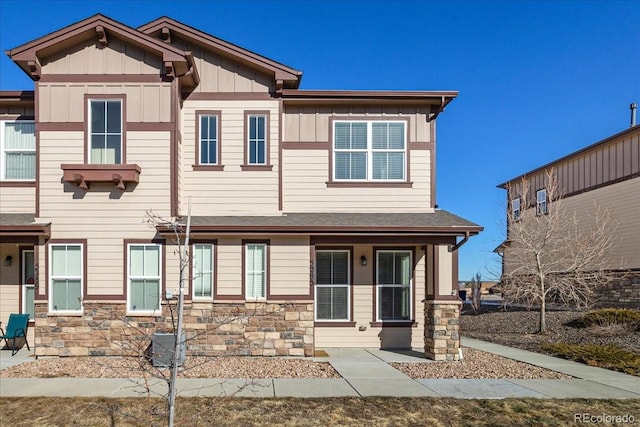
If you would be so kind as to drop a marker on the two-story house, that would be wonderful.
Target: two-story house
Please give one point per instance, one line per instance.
(313, 215)
(605, 176)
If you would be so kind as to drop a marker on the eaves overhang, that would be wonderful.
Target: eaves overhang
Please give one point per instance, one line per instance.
(15, 227)
(101, 28)
(285, 76)
(17, 97)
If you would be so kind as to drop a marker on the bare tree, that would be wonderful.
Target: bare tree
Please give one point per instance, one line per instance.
(550, 256)
(476, 288)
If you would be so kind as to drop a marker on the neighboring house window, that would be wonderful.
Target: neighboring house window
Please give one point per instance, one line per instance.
(65, 277)
(394, 285)
(144, 278)
(18, 150)
(255, 270)
(515, 208)
(256, 139)
(202, 271)
(208, 147)
(28, 284)
(369, 151)
(105, 131)
(541, 202)
(332, 285)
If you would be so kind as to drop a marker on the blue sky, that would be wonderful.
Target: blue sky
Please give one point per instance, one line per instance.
(537, 79)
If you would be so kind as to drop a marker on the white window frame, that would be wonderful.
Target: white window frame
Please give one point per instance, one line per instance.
(515, 209)
(4, 151)
(370, 151)
(209, 139)
(197, 273)
(264, 271)
(130, 310)
(68, 277)
(25, 285)
(380, 286)
(257, 140)
(105, 133)
(542, 205)
(334, 285)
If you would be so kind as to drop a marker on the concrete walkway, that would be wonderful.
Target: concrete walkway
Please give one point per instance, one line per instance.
(365, 372)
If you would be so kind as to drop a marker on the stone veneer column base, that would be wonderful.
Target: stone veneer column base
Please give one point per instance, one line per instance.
(442, 329)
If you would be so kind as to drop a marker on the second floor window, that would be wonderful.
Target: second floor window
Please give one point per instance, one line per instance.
(541, 202)
(369, 151)
(208, 140)
(105, 131)
(257, 139)
(515, 208)
(17, 150)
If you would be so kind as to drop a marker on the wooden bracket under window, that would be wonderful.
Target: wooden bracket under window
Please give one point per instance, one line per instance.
(80, 182)
(84, 175)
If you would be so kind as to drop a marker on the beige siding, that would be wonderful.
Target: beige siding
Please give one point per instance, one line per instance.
(229, 268)
(364, 311)
(312, 124)
(622, 201)
(304, 186)
(219, 74)
(65, 102)
(17, 199)
(103, 215)
(290, 266)
(231, 190)
(88, 58)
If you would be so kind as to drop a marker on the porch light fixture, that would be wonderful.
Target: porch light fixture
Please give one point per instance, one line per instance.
(7, 260)
(363, 261)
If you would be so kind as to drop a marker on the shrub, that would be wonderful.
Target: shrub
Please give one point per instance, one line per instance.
(603, 356)
(612, 316)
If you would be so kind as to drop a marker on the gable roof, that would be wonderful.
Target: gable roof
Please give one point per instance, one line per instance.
(285, 76)
(100, 27)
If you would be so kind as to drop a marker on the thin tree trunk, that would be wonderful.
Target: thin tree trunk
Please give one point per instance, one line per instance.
(542, 327)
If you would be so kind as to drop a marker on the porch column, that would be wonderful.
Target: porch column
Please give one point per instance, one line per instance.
(442, 305)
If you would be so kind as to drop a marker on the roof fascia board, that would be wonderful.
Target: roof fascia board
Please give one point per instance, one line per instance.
(433, 97)
(29, 51)
(281, 71)
(556, 162)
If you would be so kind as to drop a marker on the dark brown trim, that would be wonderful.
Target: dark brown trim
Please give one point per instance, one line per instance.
(396, 324)
(61, 126)
(454, 271)
(435, 97)
(85, 257)
(84, 175)
(100, 78)
(174, 187)
(374, 264)
(15, 117)
(21, 283)
(301, 145)
(433, 201)
(209, 166)
(21, 232)
(87, 130)
(434, 273)
(36, 113)
(352, 265)
(228, 96)
(125, 269)
(22, 184)
(267, 289)
(280, 148)
(150, 126)
(267, 146)
(189, 276)
(36, 256)
(387, 240)
(324, 324)
(33, 239)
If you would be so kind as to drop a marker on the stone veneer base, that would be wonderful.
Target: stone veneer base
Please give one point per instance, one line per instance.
(442, 329)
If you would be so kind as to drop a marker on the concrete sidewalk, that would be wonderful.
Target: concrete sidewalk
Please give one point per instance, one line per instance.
(365, 372)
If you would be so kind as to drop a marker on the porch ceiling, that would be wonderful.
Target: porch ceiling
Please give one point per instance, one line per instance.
(438, 222)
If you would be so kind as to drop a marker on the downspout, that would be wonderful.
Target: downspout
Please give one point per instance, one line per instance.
(453, 248)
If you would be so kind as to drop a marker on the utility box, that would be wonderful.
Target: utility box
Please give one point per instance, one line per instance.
(163, 345)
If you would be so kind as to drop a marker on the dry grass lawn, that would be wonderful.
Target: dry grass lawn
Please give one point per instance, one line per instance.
(377, 411)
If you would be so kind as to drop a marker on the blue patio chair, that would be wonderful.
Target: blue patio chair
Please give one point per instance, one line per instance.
(16, 328)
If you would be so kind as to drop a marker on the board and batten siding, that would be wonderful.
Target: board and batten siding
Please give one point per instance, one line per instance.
(220, 74)
(364, 291)
(116, 58)
(103, 215)
(65, 102)
(231, 190)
